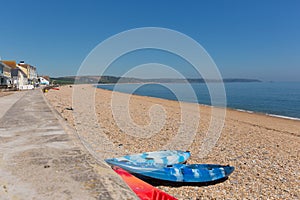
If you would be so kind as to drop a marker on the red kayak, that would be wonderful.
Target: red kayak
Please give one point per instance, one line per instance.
(142, 189)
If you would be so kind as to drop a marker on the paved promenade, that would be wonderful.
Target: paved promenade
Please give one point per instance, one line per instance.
(41, 157)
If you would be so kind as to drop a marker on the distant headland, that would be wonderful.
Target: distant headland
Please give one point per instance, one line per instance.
(114, 79)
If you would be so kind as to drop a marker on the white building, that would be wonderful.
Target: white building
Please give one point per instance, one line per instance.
(19, 78)
(43, 81)
(5, 75)
(30, 71)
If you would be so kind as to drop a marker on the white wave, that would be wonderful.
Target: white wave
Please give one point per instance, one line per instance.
(284, 117)
(247, 111)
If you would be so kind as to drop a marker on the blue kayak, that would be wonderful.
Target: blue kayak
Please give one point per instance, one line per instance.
(158, 158)
(196, 173)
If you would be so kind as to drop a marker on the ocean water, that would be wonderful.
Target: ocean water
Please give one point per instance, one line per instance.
(281, 99)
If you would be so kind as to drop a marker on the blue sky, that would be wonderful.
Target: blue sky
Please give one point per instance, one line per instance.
(246, 39)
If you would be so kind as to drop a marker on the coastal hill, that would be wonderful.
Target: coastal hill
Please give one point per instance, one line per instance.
(113, 79)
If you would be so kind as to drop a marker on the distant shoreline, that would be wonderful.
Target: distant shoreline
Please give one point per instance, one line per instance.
(201, 104)
(241, 109)
(113, 79)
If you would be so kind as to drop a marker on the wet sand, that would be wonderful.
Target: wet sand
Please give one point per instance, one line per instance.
(264, 150)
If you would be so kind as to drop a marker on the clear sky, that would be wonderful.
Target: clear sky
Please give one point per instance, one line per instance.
(247, 39)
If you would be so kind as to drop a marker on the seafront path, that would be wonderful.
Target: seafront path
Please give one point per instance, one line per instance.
(42, 158)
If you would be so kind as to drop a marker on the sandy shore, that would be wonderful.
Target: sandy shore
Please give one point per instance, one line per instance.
(264, 150)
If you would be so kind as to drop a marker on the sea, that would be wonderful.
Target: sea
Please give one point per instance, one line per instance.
(278, 99)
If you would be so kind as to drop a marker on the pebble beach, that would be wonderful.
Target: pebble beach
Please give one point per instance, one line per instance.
(264, 150)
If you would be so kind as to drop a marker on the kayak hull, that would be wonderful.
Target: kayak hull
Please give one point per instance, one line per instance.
(194, 173)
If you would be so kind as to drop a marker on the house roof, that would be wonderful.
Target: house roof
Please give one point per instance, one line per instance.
(46, 77)
(4, 65)
(10, 63)
(26, 65)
